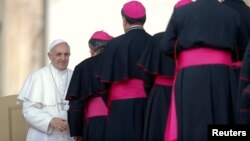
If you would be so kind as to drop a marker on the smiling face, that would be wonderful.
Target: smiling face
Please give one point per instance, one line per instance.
(59, 56)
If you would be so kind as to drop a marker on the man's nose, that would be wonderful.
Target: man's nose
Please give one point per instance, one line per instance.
(63, 57)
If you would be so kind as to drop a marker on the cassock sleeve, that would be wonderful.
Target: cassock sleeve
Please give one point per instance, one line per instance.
(76, 105)
(169, 37)
(76, 117)
(36, 117)
(242, 39)
(244, 89)
(245, 106)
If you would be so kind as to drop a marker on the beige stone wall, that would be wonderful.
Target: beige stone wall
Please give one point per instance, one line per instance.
(22, 49)
(247, 2)
(13, 125)
(1, 63)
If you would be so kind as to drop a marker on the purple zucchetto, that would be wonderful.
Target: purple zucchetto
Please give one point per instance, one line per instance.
(101, 35)
(134, 9)
(182, 3)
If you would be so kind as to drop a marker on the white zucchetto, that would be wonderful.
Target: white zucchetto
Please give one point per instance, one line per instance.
(55, 42)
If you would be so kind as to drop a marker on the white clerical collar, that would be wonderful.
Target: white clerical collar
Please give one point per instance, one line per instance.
(135, 27)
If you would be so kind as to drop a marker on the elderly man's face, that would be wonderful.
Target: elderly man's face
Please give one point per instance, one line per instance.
(59, 56)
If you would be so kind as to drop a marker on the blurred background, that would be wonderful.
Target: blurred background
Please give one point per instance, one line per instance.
(28, 26)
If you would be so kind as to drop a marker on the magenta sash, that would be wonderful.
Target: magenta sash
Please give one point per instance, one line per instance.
(126, 89)
(96, 107)
(192, 57)
(203, 56)
(237, 64)
(166, 81)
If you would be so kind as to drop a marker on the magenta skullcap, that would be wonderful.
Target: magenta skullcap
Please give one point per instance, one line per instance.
(182, 3)
(101, 35)
(134, 9)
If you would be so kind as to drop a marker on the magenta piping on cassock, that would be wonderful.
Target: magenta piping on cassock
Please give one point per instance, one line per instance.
(166, 81)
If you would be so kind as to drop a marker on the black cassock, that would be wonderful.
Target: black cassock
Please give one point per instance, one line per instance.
(204, 93)
(244, 11)
(244, 102)
(83, 87)
(119, 67)
(160, 66)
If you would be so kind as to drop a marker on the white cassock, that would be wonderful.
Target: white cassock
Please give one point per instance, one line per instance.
(43, 98)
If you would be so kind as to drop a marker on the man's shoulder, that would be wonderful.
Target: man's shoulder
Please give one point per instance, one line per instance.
(131, 35)
(40, 71)
(83, 63)
(118, 38)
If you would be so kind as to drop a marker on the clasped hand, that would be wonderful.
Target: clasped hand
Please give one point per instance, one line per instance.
(59, 124)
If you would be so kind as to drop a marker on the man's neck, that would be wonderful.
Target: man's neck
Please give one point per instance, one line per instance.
(135, 26)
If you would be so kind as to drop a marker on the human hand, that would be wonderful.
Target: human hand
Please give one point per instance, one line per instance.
(59, 124)
(77, 139)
